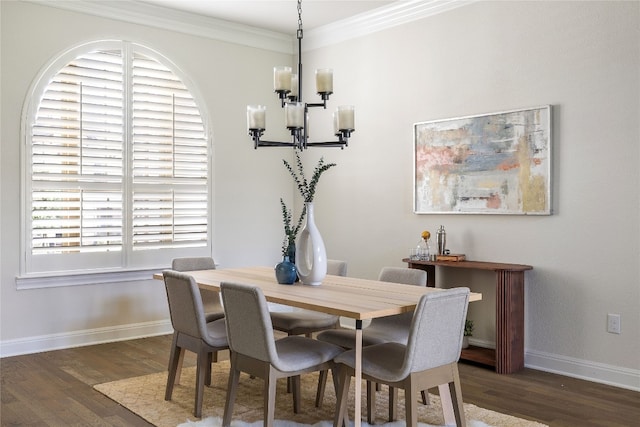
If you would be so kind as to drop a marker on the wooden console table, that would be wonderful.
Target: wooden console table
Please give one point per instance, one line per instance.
(508, 356)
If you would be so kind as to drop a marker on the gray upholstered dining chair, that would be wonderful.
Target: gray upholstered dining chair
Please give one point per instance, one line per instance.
(428, 359)
(336, 267)
(191, 332)
(255, 350)
(306, 322)
(383, 329)
(210, 299)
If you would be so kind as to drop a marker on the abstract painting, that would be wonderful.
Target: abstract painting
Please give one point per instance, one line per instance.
(497, 163)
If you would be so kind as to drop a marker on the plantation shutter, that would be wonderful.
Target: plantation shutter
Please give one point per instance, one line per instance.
(169, 160)
(77, 158)
(119, 159)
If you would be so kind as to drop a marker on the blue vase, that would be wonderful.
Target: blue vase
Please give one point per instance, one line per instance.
(291, 252)
(286, 273)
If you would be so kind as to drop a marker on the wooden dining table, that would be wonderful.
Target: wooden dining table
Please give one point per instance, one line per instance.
(354, 298)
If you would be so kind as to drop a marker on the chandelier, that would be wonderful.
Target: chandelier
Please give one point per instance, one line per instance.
(288, 86)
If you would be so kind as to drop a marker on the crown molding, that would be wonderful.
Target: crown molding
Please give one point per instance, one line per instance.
(136, 12)
(140, 13)
(396, 14)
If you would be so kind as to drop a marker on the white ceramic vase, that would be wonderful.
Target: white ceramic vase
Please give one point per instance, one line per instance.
(311, 256)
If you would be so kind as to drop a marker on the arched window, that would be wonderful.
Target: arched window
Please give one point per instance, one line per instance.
(117, 164)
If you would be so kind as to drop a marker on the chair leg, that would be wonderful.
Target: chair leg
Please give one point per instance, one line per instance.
(173, 368)
(458, 406)
(209, 373)
(180, 363)
(334, 376)
(411, 411)
(456, 397)
(344, 381)
(425, 397)
(295, 384)
(269, 397)
(202, 372)
(393, 404)
(371, 401)
(322, 384)
(232, 390)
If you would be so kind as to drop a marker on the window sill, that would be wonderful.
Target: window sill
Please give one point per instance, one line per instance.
(95, 278)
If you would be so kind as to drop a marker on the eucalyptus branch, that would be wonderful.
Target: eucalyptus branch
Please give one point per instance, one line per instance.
(302, 177)
(306, 188)
(289, 231)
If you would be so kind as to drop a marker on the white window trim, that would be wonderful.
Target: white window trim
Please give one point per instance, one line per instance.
(51, 280)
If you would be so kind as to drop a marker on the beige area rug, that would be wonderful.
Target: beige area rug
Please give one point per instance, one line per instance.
(145, 396)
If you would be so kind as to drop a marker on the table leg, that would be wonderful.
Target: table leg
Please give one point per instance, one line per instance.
(509, 321)
(509, 354)
(357, 417)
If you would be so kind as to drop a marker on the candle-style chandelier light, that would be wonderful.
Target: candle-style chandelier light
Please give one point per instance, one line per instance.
(288, 86)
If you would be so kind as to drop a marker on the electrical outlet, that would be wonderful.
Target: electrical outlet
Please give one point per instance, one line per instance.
(613, 323)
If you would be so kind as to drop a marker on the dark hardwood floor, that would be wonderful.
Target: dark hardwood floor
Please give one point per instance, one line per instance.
(55, 389)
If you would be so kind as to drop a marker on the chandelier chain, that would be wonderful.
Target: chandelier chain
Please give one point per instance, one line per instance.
(299, 33)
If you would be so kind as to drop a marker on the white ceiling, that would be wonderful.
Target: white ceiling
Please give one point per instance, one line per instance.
(280, 16)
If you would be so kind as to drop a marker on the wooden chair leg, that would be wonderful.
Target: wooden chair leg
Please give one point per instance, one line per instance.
(201, 378)
(295, 385)
(411, 411)
(173, 369)
(371, 401)
(334, 376)
(232, 390)
(269, 398)
(425, 397)
(344, 381)
(322, 384)
(180, 363)
(393, 404)
(456, 398)
(208, 367)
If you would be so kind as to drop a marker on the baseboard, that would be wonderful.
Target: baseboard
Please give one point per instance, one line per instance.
(583, 369)
(83, 338)
(576, 368)
(482, 343)
(548, 362)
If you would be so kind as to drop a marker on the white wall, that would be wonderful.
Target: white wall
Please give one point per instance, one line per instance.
(582, 58)
(246, 191)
